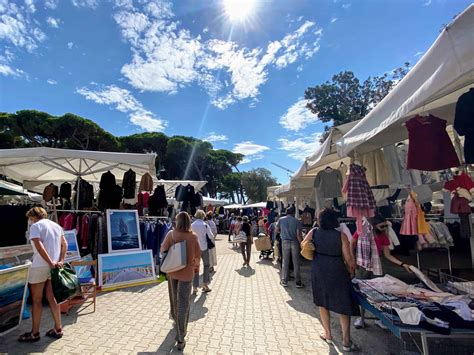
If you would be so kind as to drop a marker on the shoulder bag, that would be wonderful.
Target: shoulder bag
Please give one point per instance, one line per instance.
(175, 258)
(210, 242)
(64, 282)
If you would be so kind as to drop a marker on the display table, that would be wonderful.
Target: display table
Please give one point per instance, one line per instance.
(398, 329)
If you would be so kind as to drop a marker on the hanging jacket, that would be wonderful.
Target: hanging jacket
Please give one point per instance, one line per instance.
(129, 184)
(50, 192)
(65, 191)
(146, 183)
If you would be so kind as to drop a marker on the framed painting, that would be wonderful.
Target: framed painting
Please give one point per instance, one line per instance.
(123, 231)
(72, 252)
(128, 268)
(13, 285)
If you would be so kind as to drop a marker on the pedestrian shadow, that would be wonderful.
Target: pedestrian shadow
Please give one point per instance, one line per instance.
(166, 347)
(246, 271)
(197, 310)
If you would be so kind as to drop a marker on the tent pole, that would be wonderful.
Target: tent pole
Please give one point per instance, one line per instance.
(78, 192)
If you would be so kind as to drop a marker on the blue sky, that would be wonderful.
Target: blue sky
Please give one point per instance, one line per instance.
(196, 68)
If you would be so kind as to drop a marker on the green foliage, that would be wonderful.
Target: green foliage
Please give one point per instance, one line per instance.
(345, 99)
(180, 157)
(255, 183)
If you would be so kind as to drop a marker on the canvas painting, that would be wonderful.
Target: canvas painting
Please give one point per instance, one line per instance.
(126, 268)
(123, 231)
(13, 284)
(72, 252)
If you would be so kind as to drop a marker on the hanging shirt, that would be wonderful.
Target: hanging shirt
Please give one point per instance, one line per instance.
(430, 157)
(329, 183)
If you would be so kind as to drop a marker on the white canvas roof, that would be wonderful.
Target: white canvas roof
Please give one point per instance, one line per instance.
(39, 166)
(434, 85)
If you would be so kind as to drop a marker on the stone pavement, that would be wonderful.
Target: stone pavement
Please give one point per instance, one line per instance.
(246, 312)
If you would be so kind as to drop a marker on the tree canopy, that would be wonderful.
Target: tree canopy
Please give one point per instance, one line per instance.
(345, 98)
(255, 183)
(178, 157)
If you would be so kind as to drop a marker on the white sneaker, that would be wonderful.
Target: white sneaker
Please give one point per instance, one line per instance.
(359, 323)
(380, 324)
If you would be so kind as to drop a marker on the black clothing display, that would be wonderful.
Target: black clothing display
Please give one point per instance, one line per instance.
(86, 194)
(186, 195)
(269, 205)
(110, 194)
(65, 191)
(14, 225)
(157, 201)
(129, 184)
(463, 123)
(107, 181)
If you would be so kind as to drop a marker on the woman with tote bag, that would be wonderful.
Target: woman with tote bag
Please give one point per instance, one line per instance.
(180, 282)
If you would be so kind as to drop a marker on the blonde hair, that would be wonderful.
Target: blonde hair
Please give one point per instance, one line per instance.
(200, 214)
(37, 212)
(183, 222)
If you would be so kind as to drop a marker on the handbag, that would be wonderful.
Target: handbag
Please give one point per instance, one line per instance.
(307, 249)
(210, 242)
(263, 243)
(175, 258)
(64, 282)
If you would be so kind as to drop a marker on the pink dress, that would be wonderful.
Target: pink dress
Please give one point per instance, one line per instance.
(410, 221)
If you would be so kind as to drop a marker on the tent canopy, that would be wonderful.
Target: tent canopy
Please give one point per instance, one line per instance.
(9, 189)
(444, 73)
(39, 166)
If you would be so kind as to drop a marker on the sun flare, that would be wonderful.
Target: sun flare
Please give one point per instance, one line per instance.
(239, 10)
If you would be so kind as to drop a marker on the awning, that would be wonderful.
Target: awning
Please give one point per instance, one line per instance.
(444, 73)
(39, 166)
(233, 207)
(9, 189)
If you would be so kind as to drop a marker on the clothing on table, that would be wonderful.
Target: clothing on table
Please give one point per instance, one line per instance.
(65, 190)
(430, 157)
(50, 234)
(146, 183)
(376, 171)
(193, 254)
(331, 282)
(463, 123)
(180, 294)
(129, 184)
(51, 191)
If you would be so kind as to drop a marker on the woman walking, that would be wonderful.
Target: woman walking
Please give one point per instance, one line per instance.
(246, 248)
(49, 250)
(213, 252)
(332, 278)
(180, 282)
(201, 229)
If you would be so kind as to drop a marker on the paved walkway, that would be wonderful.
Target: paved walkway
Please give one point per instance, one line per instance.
(246, 312)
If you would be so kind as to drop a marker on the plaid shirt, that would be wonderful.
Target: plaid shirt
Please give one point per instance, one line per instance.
(367, 253)
(359, 193)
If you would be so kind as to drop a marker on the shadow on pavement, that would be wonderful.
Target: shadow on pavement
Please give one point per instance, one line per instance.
(245, 271)
(198, 311)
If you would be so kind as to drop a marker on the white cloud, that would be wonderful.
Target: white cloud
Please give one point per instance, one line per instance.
(86, 3)
(300, 68)
(167, 58)
(346, 6)
(250, 150)
(7, 70)
(300, 148)
(17, 27)
(124, 101)
(298, 116)
(52, 82)
(215, 137)
(70, 45)
(419, 53)
(53, 22)
(51, 4)
(334, 19)
(30, 6)
(205, 30)
(427, 3)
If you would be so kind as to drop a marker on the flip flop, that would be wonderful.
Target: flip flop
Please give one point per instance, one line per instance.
(29, 337)
(352, 348)
(327, 341)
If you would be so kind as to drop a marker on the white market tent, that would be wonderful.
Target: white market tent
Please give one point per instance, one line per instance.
(34, 167)
(233, 207)
(444, 73)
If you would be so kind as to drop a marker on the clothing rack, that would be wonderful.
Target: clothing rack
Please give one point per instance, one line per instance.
(80, 211)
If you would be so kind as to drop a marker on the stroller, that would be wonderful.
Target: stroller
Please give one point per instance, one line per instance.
(264, 245)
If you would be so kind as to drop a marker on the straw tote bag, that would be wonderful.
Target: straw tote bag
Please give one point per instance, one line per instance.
(175, 258)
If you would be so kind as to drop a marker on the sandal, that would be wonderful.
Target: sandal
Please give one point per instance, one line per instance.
(326, 340)
(29, 337)
(53, 333)
(350, 349)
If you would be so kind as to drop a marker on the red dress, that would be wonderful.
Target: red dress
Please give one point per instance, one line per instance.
(430, 147)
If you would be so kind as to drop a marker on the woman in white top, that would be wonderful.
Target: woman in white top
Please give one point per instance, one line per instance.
(201, 229)
(49, 250)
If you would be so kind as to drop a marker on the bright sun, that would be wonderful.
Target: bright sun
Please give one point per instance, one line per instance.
(239, 10)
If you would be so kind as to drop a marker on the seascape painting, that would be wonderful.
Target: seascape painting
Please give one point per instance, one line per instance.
(123, 231)
(72, 252)
(13, 283)
(126, 268)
